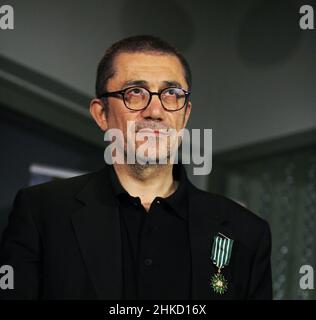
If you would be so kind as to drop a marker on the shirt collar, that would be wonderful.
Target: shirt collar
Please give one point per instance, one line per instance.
(177, 200)
(116, 185)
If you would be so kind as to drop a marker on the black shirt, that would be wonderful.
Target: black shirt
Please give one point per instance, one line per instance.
(155, 244)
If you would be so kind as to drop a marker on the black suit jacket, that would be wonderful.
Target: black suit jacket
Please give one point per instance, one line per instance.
(63, 241)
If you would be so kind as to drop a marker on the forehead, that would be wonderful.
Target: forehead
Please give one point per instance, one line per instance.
(153, 67)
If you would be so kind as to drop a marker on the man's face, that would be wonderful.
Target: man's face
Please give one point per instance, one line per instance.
(155, 72)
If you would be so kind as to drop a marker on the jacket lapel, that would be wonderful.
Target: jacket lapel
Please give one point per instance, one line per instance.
(204, 223)
(97, 228)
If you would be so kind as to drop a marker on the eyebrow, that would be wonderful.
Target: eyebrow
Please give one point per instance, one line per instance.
(144, 83)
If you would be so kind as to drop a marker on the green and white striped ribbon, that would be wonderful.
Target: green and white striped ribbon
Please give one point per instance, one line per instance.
(221, 251)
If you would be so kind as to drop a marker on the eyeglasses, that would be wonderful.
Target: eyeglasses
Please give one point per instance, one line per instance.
(138, 98)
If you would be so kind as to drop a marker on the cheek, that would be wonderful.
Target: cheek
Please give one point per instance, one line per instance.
(118, 118)
(178, 121)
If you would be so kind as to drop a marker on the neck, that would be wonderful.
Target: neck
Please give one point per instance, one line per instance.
(146, 181)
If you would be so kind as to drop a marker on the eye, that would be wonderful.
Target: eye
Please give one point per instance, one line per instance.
(135, 91)
(173, 92)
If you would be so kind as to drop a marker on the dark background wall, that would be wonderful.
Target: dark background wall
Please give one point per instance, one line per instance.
(24, 142)
(253, 67)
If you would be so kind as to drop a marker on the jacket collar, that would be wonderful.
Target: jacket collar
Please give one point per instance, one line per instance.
(97, 228)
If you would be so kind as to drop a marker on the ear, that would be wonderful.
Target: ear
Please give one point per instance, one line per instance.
(98, 113)
(187, 113)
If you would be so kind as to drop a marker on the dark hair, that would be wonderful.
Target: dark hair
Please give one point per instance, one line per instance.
(141, 43)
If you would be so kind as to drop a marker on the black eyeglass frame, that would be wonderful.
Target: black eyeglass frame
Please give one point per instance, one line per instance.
(121, 93)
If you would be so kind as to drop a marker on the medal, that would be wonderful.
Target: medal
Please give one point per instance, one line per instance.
(219, 283)
(221, 252)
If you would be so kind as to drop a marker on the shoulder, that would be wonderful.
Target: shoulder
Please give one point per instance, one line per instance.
(56, 196)
(237, 212)
(242, 221)
(59, 187)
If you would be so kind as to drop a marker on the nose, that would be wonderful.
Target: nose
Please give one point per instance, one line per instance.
(154, 110)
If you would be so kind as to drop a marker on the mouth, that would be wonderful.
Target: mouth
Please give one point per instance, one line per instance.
(155, 132)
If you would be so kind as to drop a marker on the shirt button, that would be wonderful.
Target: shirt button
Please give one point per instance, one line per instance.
(148, 262)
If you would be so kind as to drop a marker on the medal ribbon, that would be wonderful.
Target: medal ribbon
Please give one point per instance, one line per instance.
(221, 251)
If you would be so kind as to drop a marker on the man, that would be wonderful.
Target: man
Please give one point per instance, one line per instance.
(136, 230)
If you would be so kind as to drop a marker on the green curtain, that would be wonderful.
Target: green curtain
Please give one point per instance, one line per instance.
(281, 189)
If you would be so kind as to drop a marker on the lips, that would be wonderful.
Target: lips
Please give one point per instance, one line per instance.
(154, 131)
